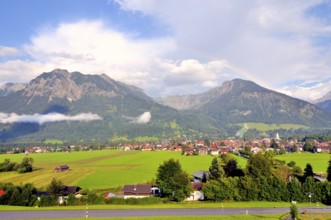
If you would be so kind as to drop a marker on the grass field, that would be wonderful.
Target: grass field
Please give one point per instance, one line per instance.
(101, 169)
(269, 127)
(319, 162)
(108, 169)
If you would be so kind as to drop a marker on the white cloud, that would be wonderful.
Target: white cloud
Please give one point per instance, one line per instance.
(309, 93)
(8, 51)
(6, 118)
(273, 41)
(143, 118)
(19, 70)
(269, 42)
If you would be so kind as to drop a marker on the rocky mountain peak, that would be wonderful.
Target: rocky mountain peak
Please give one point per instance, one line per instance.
(72, 86)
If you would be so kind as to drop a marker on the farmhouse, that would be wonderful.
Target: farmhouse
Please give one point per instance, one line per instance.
(137, 191)
(61, 168)
(67, 190)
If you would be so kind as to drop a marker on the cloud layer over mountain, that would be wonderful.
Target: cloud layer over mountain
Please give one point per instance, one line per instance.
(44, 118)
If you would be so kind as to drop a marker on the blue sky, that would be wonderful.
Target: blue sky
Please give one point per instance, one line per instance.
(172, 47)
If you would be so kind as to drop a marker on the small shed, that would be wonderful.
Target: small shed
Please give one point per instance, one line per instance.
(61, 168)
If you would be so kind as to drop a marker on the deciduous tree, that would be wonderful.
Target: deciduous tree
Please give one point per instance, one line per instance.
(173, 181)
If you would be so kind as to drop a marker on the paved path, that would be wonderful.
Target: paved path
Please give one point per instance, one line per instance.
(145, 212)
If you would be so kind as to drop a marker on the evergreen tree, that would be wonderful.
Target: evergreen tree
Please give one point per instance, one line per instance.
(15, 198)
(216, 170)
(308, 171)
(329, 171)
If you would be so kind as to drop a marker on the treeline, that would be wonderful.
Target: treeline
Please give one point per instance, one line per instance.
(24, 195)
(23, 167)
(264, 179)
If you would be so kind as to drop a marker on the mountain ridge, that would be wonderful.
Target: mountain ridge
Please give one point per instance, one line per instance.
(121, 106)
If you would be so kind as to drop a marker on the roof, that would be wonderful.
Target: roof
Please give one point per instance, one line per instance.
(42, 193)
(67, 190)
(137, 189)
(199, 174)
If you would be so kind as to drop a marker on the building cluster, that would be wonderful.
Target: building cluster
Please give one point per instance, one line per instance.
(218, 147)
(198, 147)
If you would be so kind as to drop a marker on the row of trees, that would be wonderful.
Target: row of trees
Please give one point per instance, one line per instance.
(24, 195)
(23, 167)
(264, 179)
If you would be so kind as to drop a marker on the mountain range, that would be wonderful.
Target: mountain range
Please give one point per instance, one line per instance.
(94, 108)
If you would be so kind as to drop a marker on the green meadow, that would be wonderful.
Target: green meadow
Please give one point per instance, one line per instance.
(101, 169)
(269, 127)
(106, 169)
(318, 161)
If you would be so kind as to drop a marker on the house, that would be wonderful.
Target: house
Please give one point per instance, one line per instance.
(61, 168)
(146, 148)
(41, 193)
(137, 191)
(189, 151)
(67, 190)
(109, 195)
(214, 151)
(203, 151)
(197, 194)
(224, 150)
(176, 148)
(199, 176)
(200, 144)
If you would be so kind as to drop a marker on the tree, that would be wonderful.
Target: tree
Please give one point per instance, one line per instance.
(274, 144)
(308, 146)
(308, 171)
(329, 171)
(173, 181)
(26, 165)
(55, 187)
(231, 169)
(294, 212)
(216, 170)
(259, 165)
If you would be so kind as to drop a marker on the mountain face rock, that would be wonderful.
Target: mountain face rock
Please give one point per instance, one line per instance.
(240, 101)
(61, 87)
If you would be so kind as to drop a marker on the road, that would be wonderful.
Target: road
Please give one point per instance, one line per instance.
(145, 212)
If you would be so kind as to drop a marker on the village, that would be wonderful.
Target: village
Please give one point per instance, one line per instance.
(197, 147)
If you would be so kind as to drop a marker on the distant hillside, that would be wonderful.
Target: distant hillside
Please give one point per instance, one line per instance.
(240, 101)
(118, 104)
